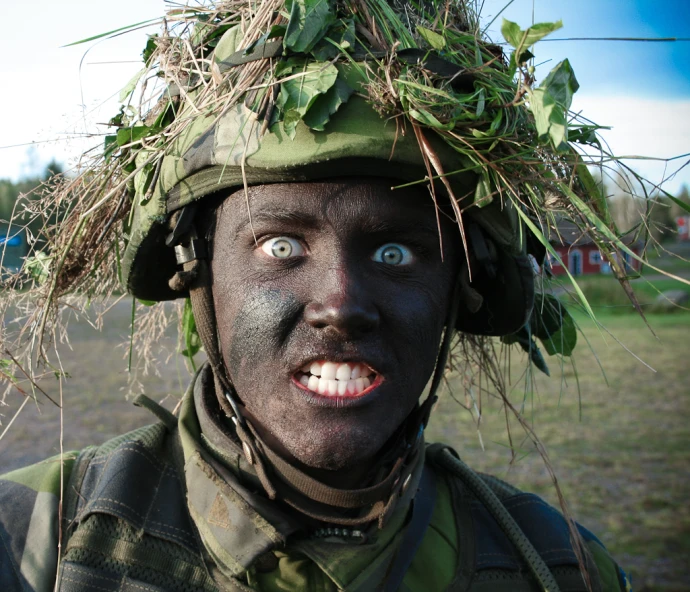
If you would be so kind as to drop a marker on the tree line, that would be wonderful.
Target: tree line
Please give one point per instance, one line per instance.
(659, 210)
(14, 196)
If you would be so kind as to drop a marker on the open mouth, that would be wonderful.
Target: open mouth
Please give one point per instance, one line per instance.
(333, 379)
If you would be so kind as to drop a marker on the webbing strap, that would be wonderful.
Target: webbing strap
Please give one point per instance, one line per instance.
(320, 492)
(422, 511)
(493, 504)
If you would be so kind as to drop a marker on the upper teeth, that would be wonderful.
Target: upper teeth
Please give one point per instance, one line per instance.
(331, 378)
(334, 371)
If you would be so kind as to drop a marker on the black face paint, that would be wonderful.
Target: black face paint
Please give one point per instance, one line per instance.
(262, 323)
(342, 272)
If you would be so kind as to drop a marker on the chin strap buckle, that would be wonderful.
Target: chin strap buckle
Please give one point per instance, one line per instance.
(237, 419)
(188, 246)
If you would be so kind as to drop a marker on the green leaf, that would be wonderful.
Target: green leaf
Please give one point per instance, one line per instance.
(520, 39)
(525, 56)
(118, 120)
(429, 120)
(109, 147)
(562, 341)
(129, 135)
(309, 21)
(585, 134)
(432, 38)
(146, 302)
(550, 104)
(679, 203)
(131, 85)
(38, 267)
(327, 104)
(298, 94)
(277, 31)
(512, 32)
(151, 46)
(341, 36)
(526, 341)
(481, 103)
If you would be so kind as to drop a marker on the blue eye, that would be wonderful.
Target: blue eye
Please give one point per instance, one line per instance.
(282, 247)
(393, 254)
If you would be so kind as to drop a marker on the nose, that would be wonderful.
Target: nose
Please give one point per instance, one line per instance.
(341, 303)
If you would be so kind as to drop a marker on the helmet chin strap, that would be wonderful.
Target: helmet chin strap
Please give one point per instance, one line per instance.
(280, 479)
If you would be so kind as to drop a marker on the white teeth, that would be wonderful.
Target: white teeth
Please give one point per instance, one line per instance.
(343, 372)
(331, 378)
(328, 370)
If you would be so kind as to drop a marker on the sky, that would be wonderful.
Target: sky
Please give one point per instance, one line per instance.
(55, 97)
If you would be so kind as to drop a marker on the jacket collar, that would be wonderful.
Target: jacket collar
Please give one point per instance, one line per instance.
(237, 524)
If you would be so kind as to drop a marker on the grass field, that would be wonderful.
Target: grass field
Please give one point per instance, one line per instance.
(621, 453)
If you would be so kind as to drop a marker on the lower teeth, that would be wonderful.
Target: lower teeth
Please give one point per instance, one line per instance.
(329, 387)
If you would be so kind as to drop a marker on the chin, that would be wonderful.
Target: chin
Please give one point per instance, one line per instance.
(336, 448)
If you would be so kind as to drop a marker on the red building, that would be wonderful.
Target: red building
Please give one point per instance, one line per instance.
(683, 225)
(581, 256)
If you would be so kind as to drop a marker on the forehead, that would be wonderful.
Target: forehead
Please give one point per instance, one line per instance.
(367, 205)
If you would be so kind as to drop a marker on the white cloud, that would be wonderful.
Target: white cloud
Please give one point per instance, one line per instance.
(653, 128)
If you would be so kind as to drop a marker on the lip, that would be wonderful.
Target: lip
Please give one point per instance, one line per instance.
(338, 401)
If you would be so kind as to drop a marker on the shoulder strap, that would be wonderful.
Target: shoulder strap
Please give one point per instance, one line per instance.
(444, 458)
(422, 510)
(70, 497)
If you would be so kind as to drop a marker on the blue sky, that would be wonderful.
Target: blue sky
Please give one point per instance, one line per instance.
(641, 89)
(643, 69)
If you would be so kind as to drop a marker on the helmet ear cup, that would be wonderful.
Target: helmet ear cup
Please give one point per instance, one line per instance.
(499, 300)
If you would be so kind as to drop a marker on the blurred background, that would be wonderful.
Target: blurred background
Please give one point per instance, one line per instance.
(613, 418)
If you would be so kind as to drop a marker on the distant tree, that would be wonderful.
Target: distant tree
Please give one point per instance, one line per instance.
(14, 197)
(661, 223)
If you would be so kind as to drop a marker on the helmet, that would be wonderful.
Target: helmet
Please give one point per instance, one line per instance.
(218, 153)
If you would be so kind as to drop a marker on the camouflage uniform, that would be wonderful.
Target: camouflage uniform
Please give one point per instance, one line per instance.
(128, 527)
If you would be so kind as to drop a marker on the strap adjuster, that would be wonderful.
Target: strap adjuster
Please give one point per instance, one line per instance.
(194, 249)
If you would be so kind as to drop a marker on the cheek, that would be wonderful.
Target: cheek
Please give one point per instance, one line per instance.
(252, 332)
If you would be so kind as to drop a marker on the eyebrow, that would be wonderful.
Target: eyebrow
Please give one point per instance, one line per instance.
(400, 227)
(287, 217)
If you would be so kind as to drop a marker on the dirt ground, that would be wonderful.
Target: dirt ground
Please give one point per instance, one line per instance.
(624, 465)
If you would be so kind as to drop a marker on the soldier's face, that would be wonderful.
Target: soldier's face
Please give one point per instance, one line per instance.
(330, 299)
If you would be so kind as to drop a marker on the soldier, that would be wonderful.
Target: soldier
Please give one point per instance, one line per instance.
(326, 301)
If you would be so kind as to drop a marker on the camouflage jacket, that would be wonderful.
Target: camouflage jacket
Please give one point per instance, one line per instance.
(170, 507)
